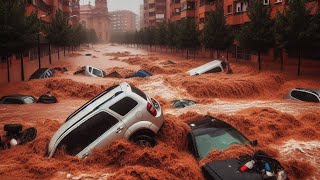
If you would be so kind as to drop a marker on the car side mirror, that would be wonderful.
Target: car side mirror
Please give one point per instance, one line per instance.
(254, 142)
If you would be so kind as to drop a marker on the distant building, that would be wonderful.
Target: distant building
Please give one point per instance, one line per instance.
(141, 16)
(123, 21)
(154, 12)
(96, 17)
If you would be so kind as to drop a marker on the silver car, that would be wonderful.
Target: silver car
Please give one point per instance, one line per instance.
(122, 111)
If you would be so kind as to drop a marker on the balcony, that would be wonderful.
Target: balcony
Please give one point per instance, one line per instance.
(206, 8)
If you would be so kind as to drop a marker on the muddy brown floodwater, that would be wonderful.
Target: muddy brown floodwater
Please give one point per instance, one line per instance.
(251, 101)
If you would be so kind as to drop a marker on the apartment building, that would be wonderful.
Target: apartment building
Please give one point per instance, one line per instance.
(123, 21)
(154, 12)
(47, 8)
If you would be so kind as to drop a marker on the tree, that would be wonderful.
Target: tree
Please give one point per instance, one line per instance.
(18, 32)
(58, 31)
(188, 36)
(161, 35)
(216, 34)
(257, 35)
(280, 33)
(172, 35)
(92, 36)
(297, 31)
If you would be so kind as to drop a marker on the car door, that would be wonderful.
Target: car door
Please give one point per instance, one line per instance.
(99, 130)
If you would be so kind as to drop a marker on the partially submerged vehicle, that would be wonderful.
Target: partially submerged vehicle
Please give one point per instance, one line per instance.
(18, 99)
(215, 66)
(43, 73)
(141, 73)
(121, 111)
(91, 71)
(307, 95)
(182, 103)
(209, 133)
(47, 99)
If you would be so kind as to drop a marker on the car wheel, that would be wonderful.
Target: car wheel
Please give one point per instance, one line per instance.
(144, 141)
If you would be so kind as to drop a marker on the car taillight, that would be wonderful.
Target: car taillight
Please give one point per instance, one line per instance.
(152, 110)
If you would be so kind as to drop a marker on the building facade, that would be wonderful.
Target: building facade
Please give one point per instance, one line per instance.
(123, 21)
(97, 18)
(154, 12)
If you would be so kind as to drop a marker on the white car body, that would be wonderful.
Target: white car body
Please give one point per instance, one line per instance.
(93, 71)
(207, 68)
(103, 106)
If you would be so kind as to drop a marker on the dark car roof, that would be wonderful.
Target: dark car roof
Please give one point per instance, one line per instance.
(17, 96)
(141, 73)
(208, 122)
(38, 73)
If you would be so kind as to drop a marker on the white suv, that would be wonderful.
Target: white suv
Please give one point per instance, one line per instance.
(121, 111)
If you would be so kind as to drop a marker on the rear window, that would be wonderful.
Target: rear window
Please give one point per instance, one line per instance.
(12, 101)
(87, 132)
(139, 92)
(304, 96)
(97, 72)
(215, 70)
(124, 106)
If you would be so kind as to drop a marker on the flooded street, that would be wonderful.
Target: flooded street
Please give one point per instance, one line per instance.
(251, 101)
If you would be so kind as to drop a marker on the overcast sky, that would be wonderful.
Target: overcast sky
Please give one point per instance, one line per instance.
(132, 5)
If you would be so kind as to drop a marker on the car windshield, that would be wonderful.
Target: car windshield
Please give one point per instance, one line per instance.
(220, 139)
(29, 100)
(188, 102)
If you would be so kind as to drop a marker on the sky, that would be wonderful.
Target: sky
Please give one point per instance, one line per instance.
(132, 5)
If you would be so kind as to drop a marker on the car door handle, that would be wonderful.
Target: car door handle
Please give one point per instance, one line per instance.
(119, 129)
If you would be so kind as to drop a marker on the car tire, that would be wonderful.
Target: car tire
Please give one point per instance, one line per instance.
(144, 140)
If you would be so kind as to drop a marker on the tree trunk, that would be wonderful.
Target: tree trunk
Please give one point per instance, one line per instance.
(211, 53)
(236, 53)
(39, 59)
(217, 54)
(259, 60)
(187, 53)
(22, 66)
(50, 54)
(299, 63)
(281, 58)
(227, 54)
(64, 50)
(8, 68)
(58, 53)
(194, 53)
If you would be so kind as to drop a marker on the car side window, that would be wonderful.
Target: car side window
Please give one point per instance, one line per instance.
(123, 106)
(304, 96)
(90, 69)
(12, 101)
(97, 72)
(215, 70)
(87, 132)
(178, 104)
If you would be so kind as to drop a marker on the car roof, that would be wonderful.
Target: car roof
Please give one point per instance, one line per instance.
(316, 91)
(208, 122)
(38, 73)
(17, 96)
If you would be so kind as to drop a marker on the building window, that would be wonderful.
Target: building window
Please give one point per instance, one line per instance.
(241, 7)
(265, 2)
(229, 9)
(278, 1)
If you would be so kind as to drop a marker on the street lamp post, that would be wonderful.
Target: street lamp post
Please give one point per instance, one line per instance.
(39, 59)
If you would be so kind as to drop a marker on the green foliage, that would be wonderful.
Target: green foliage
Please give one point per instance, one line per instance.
(161, 34)
(172, 34)
(77, 35)
(188, 36)
(17, 31)
(257, 34)
(92, 36)
(59, 30)
(298, 21)
(216, 34)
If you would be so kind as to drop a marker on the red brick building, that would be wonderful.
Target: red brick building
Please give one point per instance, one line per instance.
(154, 12)
(123, 21)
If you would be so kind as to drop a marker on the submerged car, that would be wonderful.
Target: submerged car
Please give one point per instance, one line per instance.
(91, 71)
(43, 73)
(122, 111)
(18, 99)
(215, 66)
(141, 73)
(182, 103)
(306, 95)
(211, 133)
